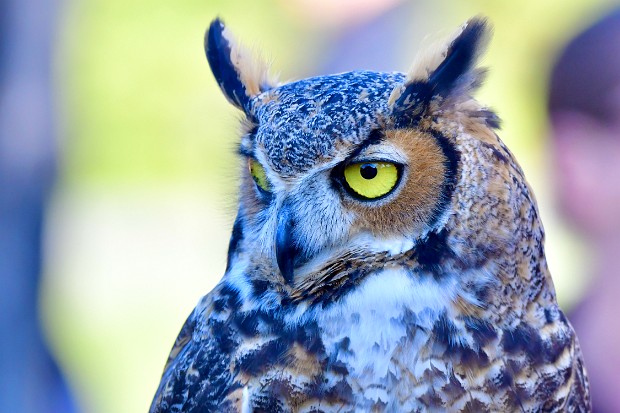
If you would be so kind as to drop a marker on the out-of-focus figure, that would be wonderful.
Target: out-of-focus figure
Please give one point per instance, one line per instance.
(30, 380)
(584, 105)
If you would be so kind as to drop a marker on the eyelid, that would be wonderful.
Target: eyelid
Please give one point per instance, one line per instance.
(379, 153)
(373, 160)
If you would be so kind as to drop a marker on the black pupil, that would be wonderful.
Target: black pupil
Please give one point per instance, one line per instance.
(368, 170)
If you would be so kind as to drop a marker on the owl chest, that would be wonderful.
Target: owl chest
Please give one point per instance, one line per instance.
(360, 363)
(370, 352)
(381, 357)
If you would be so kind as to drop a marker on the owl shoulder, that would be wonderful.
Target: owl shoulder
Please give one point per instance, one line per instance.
(197, 374)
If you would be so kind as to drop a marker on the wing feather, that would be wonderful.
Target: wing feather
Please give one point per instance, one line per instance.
(197, 376)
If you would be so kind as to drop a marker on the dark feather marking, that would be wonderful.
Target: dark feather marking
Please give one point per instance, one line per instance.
(217, 49)
(556, 346)
(515, 396)
(332, 99)
(472, 358)
(260, 286)
(271, 353)
(563, 318)
(235, 239)
(433, 374)
(223, 335)
(524, 339)
(523, 390)
(410, 321)
(445, 332)
(339, 367)
(431, 399)
(245, 152)
(344, 344)
(308, 336)
(266, 403)
(483, 292)
(504, 379)
(340, 290)
(333, 364)
(475, 406)
(411, 104)
(251, 134)
(549, 316)
(228, 299)
(378, 406)
(491, 119)
(450, 179)
(548, 384)
(497, 153)
(454, 387)
(271, 322)
(279, 387)
(432, 252)
(340, 392)
(275, 352)
(246, 323)
(333, 288)
(482, 331)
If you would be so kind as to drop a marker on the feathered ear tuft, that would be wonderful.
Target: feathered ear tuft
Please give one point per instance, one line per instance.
(238, 72)
(441, 72)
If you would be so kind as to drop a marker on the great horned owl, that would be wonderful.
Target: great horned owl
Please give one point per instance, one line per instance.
(387, 254)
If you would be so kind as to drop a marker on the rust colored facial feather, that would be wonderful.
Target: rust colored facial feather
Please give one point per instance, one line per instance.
(419, 192)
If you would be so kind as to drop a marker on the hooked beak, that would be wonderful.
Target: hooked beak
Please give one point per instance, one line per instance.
(286, 250)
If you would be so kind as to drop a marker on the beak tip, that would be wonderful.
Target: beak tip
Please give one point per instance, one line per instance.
(285, 263)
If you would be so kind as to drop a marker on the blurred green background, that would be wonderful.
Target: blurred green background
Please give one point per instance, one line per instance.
(139, 223)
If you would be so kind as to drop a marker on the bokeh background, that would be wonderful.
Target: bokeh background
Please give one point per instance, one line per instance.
(137, 224)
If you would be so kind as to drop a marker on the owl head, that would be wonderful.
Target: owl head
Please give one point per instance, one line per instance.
(339, 168)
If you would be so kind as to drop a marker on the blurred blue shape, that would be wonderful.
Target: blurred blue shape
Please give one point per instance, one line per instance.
(30, 380)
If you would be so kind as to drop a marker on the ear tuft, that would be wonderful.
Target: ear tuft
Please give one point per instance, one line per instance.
(238, 72)
(444, 71)
(461, 56)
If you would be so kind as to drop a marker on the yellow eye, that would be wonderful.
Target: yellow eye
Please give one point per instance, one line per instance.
(258, 174)
(371, 180)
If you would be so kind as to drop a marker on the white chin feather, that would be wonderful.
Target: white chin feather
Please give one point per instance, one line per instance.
(393, 246)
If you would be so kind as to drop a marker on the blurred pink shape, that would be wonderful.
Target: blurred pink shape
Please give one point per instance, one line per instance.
(336, 13)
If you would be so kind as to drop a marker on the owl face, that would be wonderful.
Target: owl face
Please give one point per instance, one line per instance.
(340, 163)
(326, 170)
